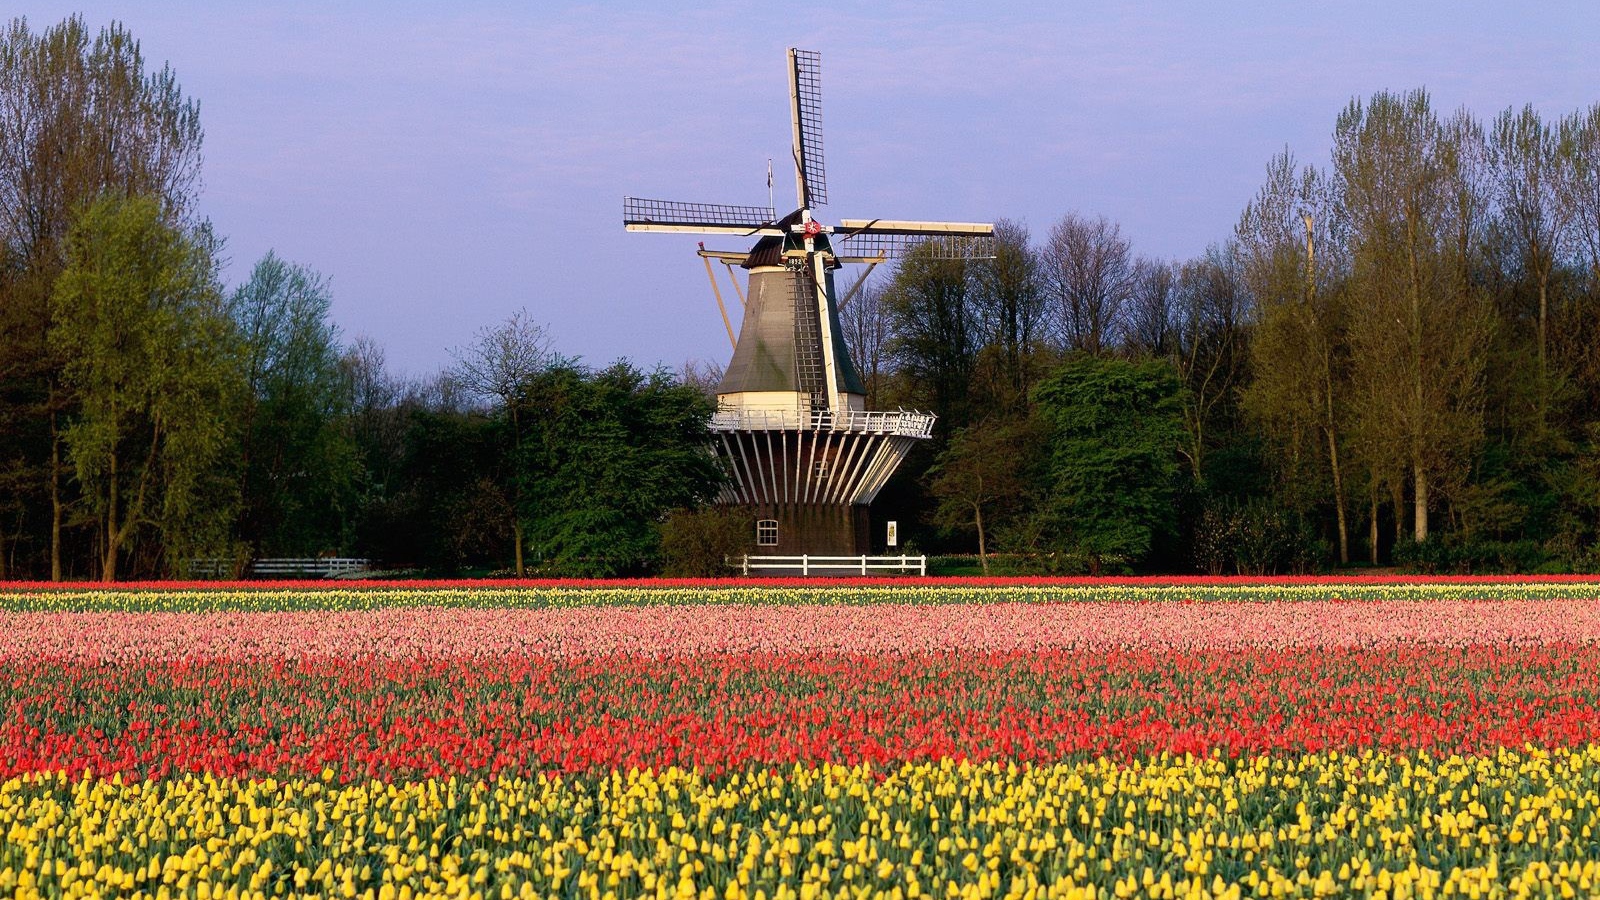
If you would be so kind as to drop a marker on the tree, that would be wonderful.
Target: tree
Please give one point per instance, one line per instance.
(1418, 325)
(982, 476)
(1152, 315)
(933, 333)
(1580, 185)
(138, 317)
(1579, 333)
(1115, 428)
(1008, 301)
(704, 376)
(299, 459)
(500, 366)
(1210, 306)
(1290, 252)
(375, 422)
(697, 543)
(864, 320)
(609, 455)
(80, 117)
(1524, 155)
(1087, 272)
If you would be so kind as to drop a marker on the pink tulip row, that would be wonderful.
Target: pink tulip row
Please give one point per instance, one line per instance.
(968, 581)
(879, 629)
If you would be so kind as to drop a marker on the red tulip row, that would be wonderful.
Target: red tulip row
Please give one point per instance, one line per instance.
(384, 717)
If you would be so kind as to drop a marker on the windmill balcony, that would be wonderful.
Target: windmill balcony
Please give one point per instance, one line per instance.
(903, 423)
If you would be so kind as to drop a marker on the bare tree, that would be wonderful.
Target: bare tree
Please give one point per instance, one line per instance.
(1580, 185)
(1087, 271)
(702, 375)
(866, 327)
(373, 398)
(498, 366)
(1524, 155)
(1009, 301)
(503, 357)
(1211, 303)
(1152, 309)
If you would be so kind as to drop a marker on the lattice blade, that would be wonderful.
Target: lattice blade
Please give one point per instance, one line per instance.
(805, 105)
(905, 226)
(879, 246)
(710, 218)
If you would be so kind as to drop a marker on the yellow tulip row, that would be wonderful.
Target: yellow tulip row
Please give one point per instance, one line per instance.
(1514, 824)
(323, 598)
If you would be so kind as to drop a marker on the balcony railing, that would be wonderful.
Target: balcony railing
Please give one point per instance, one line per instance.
(908, 423)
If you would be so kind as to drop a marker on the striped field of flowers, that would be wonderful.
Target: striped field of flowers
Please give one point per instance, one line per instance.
(802, 740)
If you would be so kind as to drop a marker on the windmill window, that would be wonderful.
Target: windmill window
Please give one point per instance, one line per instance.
(767, 532)
(821, 471)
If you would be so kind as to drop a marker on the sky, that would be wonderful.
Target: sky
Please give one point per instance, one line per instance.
(445, 165)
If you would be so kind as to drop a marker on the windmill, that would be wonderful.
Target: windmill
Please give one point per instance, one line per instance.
(805, 455)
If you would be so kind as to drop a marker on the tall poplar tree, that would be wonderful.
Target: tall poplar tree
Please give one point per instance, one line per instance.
(1524, 154)
(1290, 252)
(1417, 324)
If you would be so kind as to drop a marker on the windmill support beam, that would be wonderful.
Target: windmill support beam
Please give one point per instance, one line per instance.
(721, 308)
(722, 256)
(734, 277)
(872, 263)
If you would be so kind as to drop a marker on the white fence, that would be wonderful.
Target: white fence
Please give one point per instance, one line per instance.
(832, 565)
(279, 568)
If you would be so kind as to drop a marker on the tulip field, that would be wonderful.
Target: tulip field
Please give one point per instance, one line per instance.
(802, 740)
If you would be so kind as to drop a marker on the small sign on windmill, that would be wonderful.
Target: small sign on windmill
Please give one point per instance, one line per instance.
(804, 454)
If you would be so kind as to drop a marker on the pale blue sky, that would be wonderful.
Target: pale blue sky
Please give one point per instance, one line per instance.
(446, 164)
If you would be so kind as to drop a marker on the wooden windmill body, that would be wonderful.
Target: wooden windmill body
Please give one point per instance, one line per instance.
(804, 454)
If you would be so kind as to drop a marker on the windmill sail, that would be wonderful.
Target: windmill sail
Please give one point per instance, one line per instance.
(708, 218)
(877, 240)
(805, 104)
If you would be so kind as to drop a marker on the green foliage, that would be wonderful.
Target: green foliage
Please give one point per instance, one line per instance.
(697, 543)
(440, 505)
(300, 466)
(981, 478)
(81, 117)
(1453, 554)
(1255, 537)
(137, 316)
(1409, 335)
(1115, 429)
(609, 453)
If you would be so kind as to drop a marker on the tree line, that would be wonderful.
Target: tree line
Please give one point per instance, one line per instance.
(1394, 358)
(150, 418)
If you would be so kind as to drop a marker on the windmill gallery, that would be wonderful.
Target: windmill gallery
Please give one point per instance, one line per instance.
(805, 457)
